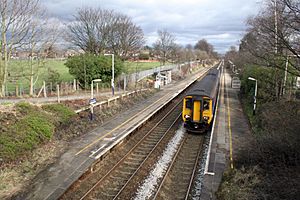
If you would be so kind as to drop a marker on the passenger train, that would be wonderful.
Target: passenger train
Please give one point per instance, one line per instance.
(200, 102)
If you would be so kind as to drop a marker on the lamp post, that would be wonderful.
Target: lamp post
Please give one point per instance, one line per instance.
(92, 87)
(113, 72)
(92, 100)
(255, 93)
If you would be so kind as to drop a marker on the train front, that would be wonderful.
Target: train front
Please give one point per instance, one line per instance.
(197, 112)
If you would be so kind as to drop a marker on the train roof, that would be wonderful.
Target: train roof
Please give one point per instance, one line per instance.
(198, 92)
(206, 86)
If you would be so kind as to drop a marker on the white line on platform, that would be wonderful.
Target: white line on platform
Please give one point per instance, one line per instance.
(212, 131)
(94, 152)
(109, 139)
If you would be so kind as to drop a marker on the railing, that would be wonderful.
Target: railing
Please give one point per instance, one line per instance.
(113, 99)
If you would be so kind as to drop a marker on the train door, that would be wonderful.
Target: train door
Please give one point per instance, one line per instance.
(206, 109)
(197, 110)
(187, 108)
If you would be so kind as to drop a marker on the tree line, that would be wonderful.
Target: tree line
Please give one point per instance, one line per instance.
(271, 44)
(26, 26)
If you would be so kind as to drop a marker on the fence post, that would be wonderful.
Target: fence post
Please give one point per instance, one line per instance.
(97, 86)
(51, 88)
(45, 92)
(57, 91)
(74, 85)
(124, 83)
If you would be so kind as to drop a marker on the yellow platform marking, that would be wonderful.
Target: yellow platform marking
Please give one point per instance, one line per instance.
(229, 129)
(100, 138)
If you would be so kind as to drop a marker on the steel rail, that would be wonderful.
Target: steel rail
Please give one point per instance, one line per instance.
(171, 166)
(129, 152)
(193, 175)
(139, 167)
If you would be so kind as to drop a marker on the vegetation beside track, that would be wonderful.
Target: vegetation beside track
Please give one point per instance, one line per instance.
(268, 167)
(28, 126)
(43, 134)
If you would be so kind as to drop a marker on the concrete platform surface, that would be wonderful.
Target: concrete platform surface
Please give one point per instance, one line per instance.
(84, 151)
(230, 132)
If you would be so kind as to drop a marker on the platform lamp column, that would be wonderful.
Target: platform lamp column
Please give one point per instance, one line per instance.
(255, 94)
(92, 100)
(113, 72)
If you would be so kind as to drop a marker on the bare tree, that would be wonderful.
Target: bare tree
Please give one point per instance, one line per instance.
(41, 39)
(126, 38)
(272, 37)
(98, 30)
(203, 45)
(16, 18)
(89, 30)
(164, 45)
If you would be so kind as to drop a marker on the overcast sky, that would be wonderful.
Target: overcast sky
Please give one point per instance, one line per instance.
(220, 22)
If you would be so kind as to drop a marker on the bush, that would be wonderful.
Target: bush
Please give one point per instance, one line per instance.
(88, 67)
(63, 113)
(53, 77)
(25, 107)
(33, 128)
(28, 132)
(273, 158)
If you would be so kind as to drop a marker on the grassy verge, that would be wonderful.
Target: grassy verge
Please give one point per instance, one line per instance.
(28, 127)
(132, 67)
(269, 166)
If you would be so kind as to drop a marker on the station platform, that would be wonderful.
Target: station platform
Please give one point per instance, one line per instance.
(84, 151)
(230, 132)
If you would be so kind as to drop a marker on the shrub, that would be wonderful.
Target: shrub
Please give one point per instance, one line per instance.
(88, 67)
(63, 113)
(28, 132)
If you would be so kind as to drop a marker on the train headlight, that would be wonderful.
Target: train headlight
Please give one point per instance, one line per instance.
(206, 118)
(187, 116)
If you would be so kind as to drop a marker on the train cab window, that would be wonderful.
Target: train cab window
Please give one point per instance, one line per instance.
(206, 105)
(188, 103)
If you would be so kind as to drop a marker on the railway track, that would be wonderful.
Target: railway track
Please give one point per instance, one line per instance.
(119, 173)
(109, 179)
(177, 181)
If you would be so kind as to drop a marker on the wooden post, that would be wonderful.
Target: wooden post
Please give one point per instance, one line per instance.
(124, 83)
(74, 85)
(51, 88)
(97, 86)
(57, 91)
(45, 92)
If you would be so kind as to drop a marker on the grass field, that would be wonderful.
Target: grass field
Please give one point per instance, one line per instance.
(19, 71)
(131, 67)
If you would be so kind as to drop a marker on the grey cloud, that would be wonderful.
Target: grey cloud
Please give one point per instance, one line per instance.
(188, 20)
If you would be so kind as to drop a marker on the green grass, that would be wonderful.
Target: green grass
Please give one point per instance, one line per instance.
(64, 113)
(132, 67)
(20, 70)
(32, 127)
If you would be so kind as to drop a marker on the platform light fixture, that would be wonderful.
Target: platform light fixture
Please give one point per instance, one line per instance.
(92, 86)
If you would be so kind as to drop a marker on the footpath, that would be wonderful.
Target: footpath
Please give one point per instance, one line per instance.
(231, 131)
(54, 98)
(84, 151)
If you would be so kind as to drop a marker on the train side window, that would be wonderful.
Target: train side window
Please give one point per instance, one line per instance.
(206, 105)
(188, 103)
